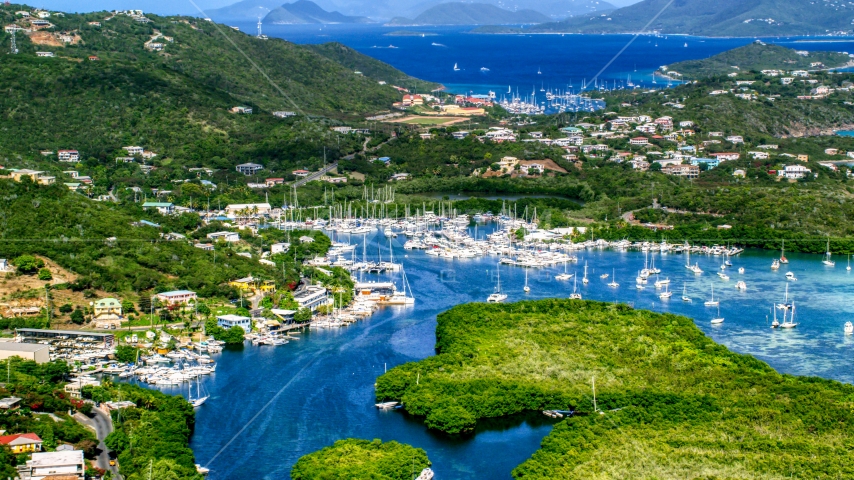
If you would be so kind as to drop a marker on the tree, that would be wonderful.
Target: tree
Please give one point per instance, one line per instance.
(77, 316)
(267, 302)
(67, 308)
(126, 353)
(233, 335)
(28, 264)
(302, 315)
(144, 304)
(203, 309)
(127, 306)
(44, 274)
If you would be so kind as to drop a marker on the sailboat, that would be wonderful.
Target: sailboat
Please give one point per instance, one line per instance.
(564, 275)
(527, 288)
(575, 295)
(783, 258)
(456, 68)
(827, 261)
(497, 297)
(613, 282)
(785, 305)
(719, 319)
(849, 263)
(712, 302)
(694, 268)
(584, 280)
(791, 322)
(539, 72)
(666, 293)
(849, 328)
(200, 399)
(685, 297)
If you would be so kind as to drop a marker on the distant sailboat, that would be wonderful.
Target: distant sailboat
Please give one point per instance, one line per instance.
(827, 261)
(456, 68)
(712, 302)
(584, 280)
(539, 72)
(497, 297)
(685, 297)
(575, 295)
(527, 288)
(783, 258)
(719, 319)
(614, 283)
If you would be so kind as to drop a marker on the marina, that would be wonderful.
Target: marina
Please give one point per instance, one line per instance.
(312, 414)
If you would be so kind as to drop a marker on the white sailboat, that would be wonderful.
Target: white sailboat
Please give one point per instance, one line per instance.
(685, 297)
(694, 268)
(791, 276)
(613, 283)
(526, 288)
(790, 323)
(497, 297)
(456, 68)
(849, 328)
(775, 265)
(849, 263)
(718, 319)
(575, 295)
(200, 399)
(584, 280)
(564, 275)
(827, 261)
(783, 258)
(740, 285)
(775, 323)
(712, 302)
(666, 294)
(785, 305)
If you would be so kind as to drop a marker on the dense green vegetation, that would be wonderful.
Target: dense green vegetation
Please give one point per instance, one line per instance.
(361, 459)
(155, 434)
(756, 57)
(672, 403)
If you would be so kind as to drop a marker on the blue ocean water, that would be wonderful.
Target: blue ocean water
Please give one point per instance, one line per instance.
(514, 60)
(271, 405)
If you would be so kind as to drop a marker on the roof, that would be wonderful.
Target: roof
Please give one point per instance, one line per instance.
(22, 347)
(156, 204)
(75, 333)
(251, 165)
(52, 459)
(233, 318)
(176, 293)
(107, 302)
(20, 439)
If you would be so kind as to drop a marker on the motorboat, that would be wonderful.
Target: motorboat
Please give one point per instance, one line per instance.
(790, 276)
(740, 285)
(849, 328)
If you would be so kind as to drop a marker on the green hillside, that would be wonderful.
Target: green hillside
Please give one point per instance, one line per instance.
(353, 458)
(717, 19)
(670, 402)
(757, 57)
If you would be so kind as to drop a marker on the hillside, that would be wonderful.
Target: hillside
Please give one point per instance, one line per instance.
(307, 12)
(244, 10)
(471, 14)
(670, 402)
(722, 18)
(756, 57)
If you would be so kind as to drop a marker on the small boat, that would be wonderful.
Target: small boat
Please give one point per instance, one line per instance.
(426, 474)
(790, 276)
(740, 285)
(791, 322)
(775, 323)
(783, 258)
(723, 276)
(539, 72)
(575, 295)
(603, 276)
(849, 264)
(741, 270)
(686, 44)
(718, 319)
(666, 294)
(484, 69)
(712, 302)
(564, 276)
(685, 297)
(497, 297)
(827, 261)
(775, 265)
(584, 280)
(387, 405)
(614, 283)
(526, 288)
(456, 68)
(849, 328)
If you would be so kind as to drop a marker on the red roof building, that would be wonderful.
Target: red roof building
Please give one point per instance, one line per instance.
(22, 442)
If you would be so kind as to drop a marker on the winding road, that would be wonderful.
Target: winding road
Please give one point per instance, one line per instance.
(102, 424)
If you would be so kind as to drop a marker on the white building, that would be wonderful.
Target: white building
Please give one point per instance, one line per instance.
(224, 236)
(794, 172)
(68, 464)
(68, 156)
(228, 321)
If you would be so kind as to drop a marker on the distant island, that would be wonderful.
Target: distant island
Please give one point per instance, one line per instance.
(471, 14)
(644, 394)
(307, 12)
(410, 33)
(759, 56)
(699, 17)
(353, 458)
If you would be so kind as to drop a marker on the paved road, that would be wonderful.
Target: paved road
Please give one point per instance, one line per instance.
(315, 175)
(103, 426)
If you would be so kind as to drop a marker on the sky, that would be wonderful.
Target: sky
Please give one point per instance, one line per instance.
(166, 6)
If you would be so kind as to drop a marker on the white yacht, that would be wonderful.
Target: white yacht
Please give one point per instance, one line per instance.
(564, 276)
(613, 283)
(827, 261)
(790, 276)
(497, 297)
(584, 280)
(775, 265)
(718, 319)
(666, 293)
(849, 328)
(575, 295)
(740, 285)
(712, 302)
(791, 321)
(685, 297)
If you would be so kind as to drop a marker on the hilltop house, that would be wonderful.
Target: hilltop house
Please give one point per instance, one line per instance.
(22, 442)
(249, 168)
(176, 297)
(70, 156)
(794, 172)
(230, 237)
(165, 208)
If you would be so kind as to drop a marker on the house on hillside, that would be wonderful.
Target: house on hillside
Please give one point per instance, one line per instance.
(70, 156)
(176, 297)
(22, 442)
(249, 168)
(165, 208)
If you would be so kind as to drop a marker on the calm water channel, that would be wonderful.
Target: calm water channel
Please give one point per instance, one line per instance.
(271, 405)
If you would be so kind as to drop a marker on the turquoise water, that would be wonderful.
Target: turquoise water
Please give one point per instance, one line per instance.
(845, 133)
(276, 404)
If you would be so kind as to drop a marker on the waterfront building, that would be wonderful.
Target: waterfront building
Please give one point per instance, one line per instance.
(35, 352)
(228, 321)
(311, 297)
